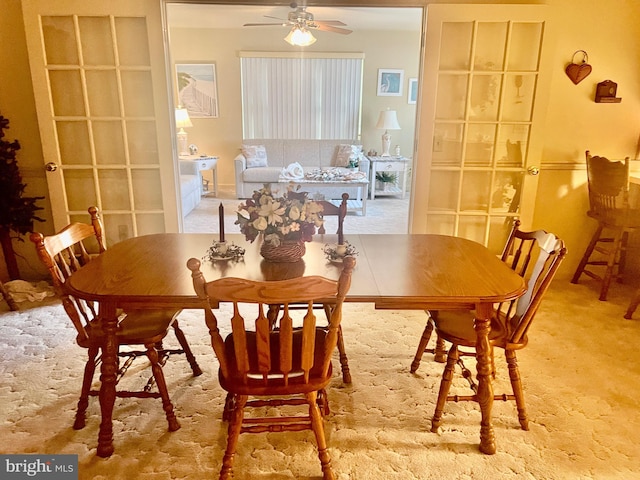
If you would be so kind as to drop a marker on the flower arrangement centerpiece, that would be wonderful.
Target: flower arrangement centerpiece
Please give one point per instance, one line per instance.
(285, 222)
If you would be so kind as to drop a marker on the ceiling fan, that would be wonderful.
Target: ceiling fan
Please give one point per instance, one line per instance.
(302, 20)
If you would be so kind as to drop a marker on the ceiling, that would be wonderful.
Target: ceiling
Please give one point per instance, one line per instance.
(234, 16)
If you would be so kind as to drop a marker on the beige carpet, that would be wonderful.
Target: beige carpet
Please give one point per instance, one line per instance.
(581, 378)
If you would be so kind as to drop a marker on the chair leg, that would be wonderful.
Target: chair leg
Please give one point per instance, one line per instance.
(622, 261)
(344, 361)
(229, 405)
(445, 386)
(611, 264)
(439, 352)
(587, 254)
(516, 384)
(422, 345)
(235, 426)
(87, 379)
(318, 430)
(152, 354)
(195, 368)
(635, 301)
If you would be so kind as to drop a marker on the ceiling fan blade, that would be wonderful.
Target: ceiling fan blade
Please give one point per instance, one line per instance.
(329, 28)
(335, 23)
(276, 18)
(263, 24)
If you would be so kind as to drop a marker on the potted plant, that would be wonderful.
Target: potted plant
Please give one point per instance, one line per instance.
(385, 180)
(17, 212)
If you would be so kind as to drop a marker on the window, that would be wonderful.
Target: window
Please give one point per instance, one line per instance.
(316, 97)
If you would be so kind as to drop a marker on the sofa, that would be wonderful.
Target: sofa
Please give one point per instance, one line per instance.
(190, 190)
(311, 154)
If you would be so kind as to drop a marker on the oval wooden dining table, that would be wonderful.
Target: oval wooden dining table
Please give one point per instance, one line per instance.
(393, 271)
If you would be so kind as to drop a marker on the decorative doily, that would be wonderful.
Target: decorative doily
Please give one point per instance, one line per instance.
(217, 252)
(331, 252)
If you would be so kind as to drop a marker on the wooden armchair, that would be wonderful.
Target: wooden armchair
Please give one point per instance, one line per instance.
(536, 256)
(292, 364)
(609, 206)
(66, 252)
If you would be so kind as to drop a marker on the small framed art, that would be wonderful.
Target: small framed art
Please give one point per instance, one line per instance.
(412, 94)
(198, 89)
(390, 82)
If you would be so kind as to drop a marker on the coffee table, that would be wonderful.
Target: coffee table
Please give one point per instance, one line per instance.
(358, 204)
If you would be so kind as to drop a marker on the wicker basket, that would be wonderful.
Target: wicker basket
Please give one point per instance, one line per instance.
(285, 252)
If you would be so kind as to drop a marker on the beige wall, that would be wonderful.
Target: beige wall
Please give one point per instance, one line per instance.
(608, 31)
(223, 136)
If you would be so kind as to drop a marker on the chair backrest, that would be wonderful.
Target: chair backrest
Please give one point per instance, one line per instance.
(261, 355)
(536, 257)
(63, 254)
(329, 208)
(608, 185)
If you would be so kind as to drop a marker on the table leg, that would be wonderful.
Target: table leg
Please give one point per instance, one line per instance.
(108, 372)
(482, 326)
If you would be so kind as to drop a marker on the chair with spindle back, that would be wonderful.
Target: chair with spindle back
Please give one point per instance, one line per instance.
(608, 183)
(535, 256)
(66, 252)
(292, 364)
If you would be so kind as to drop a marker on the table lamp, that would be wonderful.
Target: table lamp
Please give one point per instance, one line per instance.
(388, 120)
(182, 121)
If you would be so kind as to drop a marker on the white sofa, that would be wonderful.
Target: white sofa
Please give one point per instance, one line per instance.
(189, 187)
(311, 154)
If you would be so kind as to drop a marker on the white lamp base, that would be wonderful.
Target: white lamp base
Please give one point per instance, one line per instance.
(182, 142)
(386, 144)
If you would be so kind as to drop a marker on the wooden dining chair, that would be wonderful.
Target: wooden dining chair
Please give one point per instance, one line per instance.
(535, 256)
(605, 256)
(330, 209)
(287, 366)
(439, 350)
(63, 254)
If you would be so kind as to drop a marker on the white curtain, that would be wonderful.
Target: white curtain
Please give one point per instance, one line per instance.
(301, 98)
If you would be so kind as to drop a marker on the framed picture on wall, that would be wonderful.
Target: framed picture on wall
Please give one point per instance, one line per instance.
(412, 94)
(390, 82)
(198, 89)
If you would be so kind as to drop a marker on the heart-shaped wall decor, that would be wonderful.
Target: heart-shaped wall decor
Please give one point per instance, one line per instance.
(577, 73)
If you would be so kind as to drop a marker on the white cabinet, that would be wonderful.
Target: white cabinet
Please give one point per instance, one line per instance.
(398, 166)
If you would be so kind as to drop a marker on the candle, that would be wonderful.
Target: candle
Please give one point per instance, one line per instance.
(221, 218)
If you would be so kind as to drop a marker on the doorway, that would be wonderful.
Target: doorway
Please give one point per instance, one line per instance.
(213, 34)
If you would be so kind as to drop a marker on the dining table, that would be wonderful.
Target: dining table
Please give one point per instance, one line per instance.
(393, 271)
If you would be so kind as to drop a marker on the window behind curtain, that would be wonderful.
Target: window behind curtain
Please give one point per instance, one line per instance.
(315, 97)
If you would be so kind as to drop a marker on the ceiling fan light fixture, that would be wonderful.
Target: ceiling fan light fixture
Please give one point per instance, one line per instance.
(300, 37)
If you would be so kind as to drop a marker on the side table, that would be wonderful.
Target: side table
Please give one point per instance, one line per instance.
(399, 165)
(204, 162)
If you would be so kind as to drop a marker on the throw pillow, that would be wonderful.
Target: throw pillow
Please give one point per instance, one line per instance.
(256, 155)
(344, 152)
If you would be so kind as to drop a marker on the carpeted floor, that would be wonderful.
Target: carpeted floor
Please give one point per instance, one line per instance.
(580, 376)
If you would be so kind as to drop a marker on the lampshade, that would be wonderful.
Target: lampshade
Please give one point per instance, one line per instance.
(300, 37)
(388, 120)
(182, 118)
